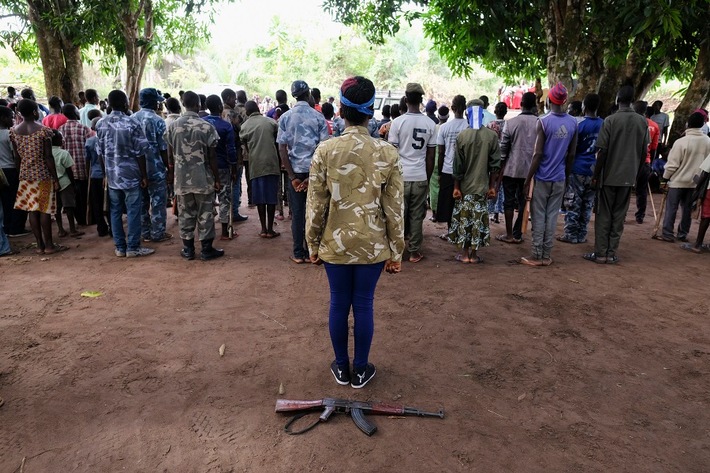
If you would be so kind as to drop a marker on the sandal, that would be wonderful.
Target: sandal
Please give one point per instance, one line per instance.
(297, 260)
(263, 235)
(612, 259)
(476, 260)
(530, 261)
(272, 234)
(686, 246)
(504, 239)
(566, 239)
(461, 258)
(415, 257)
(663, 238)
(594, 258)
(56, 248)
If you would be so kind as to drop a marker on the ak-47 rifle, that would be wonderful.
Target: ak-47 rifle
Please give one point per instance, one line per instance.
(356, 409)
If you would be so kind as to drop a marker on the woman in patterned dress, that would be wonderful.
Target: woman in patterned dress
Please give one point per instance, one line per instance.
(32, 144)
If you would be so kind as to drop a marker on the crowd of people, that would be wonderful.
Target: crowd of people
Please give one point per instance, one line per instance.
(357, 189)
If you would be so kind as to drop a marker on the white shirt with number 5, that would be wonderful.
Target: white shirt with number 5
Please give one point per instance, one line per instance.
(412, 134)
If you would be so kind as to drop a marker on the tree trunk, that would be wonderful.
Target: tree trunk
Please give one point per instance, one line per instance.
(137, 47)
(60, 57)
(696, 96)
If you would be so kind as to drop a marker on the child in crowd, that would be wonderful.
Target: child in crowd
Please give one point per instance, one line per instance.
(66, 200)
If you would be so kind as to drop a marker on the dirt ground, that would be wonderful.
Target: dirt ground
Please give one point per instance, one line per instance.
(573, 367)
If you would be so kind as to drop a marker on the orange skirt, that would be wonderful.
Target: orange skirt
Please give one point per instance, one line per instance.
(36, 196)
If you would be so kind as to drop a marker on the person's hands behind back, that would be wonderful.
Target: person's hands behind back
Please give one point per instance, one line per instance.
(393, 267)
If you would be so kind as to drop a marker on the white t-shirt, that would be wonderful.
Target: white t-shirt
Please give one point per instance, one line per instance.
(413, 133)
(448, 132)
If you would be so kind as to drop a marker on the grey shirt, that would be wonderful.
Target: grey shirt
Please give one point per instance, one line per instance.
(7, 160)
(624, 136)
(517, 144)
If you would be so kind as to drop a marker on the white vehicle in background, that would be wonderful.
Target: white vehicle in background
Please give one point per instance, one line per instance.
(382, 99)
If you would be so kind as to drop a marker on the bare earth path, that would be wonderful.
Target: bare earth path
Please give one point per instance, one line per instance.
(575, 367)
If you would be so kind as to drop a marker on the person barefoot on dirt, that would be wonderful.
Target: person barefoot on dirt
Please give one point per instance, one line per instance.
(226, 153)
(258, 135)
(32, 148)
(191, 150)
(354, 221)
(698, 246)
(551, 165)
(517, 146)
(66, 198)
(476, 165)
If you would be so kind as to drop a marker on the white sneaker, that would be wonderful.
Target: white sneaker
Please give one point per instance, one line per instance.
(139, 252)
(120, 253)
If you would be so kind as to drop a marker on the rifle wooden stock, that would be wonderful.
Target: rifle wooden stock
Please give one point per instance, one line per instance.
(356, 409)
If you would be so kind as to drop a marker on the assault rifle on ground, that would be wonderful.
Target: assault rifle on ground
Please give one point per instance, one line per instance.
(356, 409)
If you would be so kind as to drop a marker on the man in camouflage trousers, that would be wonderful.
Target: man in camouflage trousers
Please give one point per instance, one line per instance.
(154, 214)
(301, 129)
(192, 142)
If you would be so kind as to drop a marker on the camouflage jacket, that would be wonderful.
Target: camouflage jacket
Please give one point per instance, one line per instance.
(190, 138)
(354, 210)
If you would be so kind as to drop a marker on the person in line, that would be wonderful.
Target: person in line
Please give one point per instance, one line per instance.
(96, 184)
(476, 165)
(122, 147)
(232, 114)
(579, 196)
(662, 120)
(92, 102)
(226, 153)
(698, 246)
(552, 162)
(301, 129)
(240, 108)
(443, 116)
(14, 219)
(75, 135)
(56, 118)
(66, 199)
(385, 128)
(414, 135)
(192, 144)
(354, 226)
(446, 146)
(685, 158)
(32, 147)
(258, 134)
(495, 207)
(517, 146)
(641, 188)
(622, 146)
(430, 110)
(488, 117)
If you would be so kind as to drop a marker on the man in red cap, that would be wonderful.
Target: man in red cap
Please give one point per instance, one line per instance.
(552, 162)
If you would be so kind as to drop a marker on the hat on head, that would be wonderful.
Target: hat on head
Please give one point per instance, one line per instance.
(558, 94)
(414, 88)
(150, 97)
(299, 87)
(474, 103)
(430, 107)
(702, 112)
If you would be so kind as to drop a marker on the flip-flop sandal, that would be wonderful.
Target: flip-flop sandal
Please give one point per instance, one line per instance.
(263, 235)
(476, 260)
(689, 247)
(662, 238)
(612, 260)
(297, 260)
(566, 239)
(530, 261)
(461, 258)
(594, 258)
(56, 248)
(504, 239)
(272, 234)
(416, 257)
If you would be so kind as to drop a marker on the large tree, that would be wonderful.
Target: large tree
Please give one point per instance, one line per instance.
(589, 45)
(59, 32)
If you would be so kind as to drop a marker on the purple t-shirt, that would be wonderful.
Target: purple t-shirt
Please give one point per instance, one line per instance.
(559, 131)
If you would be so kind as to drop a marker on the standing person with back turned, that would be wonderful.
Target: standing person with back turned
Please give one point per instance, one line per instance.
(415, 137)
(551, 165)
(301, 129)
(354, 225)
(192, 144)
(622, 144)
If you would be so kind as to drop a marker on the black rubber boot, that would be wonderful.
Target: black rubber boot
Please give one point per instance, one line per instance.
(208, 252)
(188, 250)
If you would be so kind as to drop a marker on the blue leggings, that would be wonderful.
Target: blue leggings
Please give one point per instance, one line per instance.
(352, 285)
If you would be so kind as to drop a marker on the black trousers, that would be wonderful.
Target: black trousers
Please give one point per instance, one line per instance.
(445, 204)
(642, 191)
(15, 220)
(97, 206)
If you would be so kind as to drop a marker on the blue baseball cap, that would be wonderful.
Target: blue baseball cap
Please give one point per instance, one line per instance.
(150, 97)
(299, 87)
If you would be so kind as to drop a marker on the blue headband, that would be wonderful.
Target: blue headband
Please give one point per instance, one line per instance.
(363, 108)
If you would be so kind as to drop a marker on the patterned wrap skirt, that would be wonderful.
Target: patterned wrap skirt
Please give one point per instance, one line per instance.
(469, 222)
(36, 196)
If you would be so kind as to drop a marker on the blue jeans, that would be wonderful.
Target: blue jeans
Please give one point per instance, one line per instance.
(154, 214)
(297, 203)
(130, 201)
(352, 285)
(4, 241)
